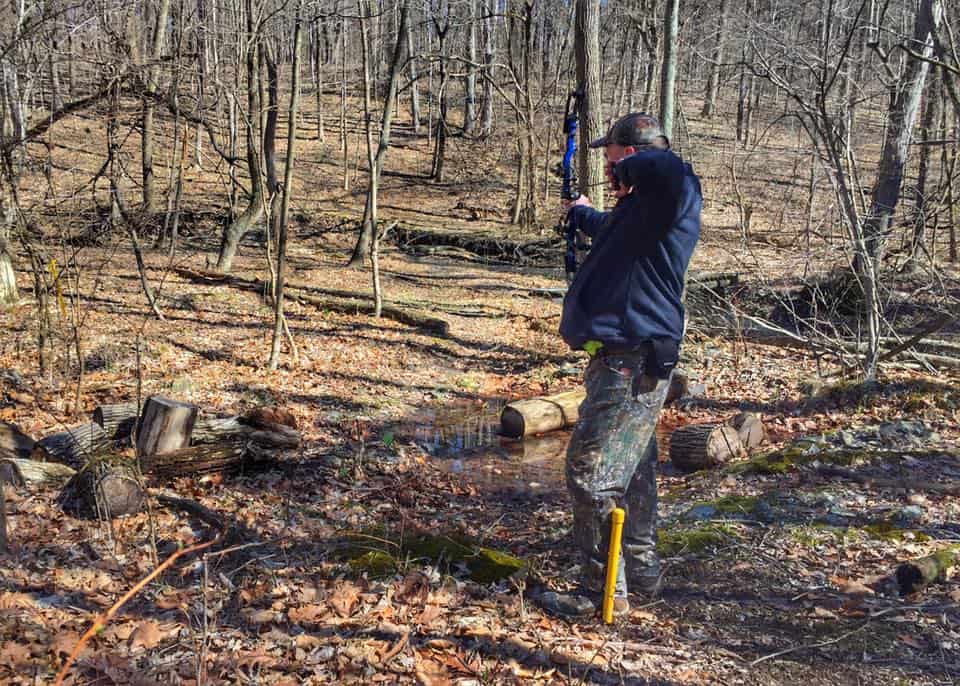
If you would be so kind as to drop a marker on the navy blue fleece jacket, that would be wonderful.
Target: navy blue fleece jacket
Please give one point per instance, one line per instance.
(628, 289)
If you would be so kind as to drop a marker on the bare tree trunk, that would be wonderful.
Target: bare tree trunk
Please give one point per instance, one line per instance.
(287, 192)
(587, 48)
(414, 84)
(369, 233)
(254, 211)
(668, 71)
(902, 115)
(489, 40)
(470, 82)
(153, 73)
(713, 75)
(318, 58)
(921, 196)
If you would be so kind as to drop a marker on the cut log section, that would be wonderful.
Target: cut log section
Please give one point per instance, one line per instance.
(19, 471)
(165, 425)
(117, 420)
(538, 415)
(701, 446)
(13, 442)
(107, 488)
(916, 575)
(225, 456)
(750, 428)
(72, 447)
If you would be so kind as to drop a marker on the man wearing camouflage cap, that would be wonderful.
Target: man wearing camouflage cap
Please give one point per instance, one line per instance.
(624, 307)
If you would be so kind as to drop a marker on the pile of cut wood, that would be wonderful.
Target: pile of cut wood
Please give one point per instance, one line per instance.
(103, 462)
(702, 446)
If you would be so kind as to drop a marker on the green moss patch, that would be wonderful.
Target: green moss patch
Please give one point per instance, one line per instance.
(382, 555)
(672, 542)
(804, 452)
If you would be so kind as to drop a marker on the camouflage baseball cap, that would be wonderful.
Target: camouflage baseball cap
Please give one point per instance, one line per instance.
(636, 128)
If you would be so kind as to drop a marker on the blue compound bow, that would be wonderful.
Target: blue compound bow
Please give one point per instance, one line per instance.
(569, 191)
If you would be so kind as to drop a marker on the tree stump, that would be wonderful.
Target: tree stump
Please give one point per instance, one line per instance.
(539, 415)
(107, 488)
(72, 447)
(701, 446)
(13, 442)
(118, 419)
(750, 428)
(165, 425)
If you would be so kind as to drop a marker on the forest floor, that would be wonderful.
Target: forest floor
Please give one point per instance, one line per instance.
(345, 562)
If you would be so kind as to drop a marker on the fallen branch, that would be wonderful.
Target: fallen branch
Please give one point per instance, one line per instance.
(101, 621)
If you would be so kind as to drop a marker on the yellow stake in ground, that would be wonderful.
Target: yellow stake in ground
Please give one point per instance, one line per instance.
(613, 563)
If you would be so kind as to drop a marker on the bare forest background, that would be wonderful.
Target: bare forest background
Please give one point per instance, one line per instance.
(825, 129)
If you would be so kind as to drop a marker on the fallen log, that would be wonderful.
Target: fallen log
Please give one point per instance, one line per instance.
(226, 456)
(13, 442)
(165, 425)
(73, 447)
(19, 471)
(915, 575)
(107, 487)
(216, 429)
(437, 327)
(538, 415)
(750, 428)
(343, 305)
(117, 420)
(263, 433)
(701, 446)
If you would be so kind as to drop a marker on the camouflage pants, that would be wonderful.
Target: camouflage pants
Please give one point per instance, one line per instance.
(611, 463)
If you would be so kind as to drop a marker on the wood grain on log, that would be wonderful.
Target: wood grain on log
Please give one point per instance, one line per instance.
(214, 429)
(108, 488)
(165, 425)
(750, 428)
(13, 442)
(117, 419)
(225, 456)
(539, 415)
(74, 446)
(700, 446)
(19, 471)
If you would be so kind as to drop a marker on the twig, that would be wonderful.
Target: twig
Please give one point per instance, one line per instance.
(809, 646)
(101, 621)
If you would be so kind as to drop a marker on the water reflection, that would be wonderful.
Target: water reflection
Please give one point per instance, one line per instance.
(464, 438)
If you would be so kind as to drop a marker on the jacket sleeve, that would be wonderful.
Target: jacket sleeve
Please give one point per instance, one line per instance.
(587, 219)
(657, 180)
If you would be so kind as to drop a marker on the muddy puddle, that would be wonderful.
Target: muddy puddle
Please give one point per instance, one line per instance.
(463, 438)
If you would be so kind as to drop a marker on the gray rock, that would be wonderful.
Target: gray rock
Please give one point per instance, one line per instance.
(911, 514)
(701, 512)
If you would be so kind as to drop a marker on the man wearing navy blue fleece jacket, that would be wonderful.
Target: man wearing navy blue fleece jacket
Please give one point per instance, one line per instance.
(625, 309)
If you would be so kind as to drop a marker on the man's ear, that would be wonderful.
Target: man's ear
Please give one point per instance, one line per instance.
(629, 150)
